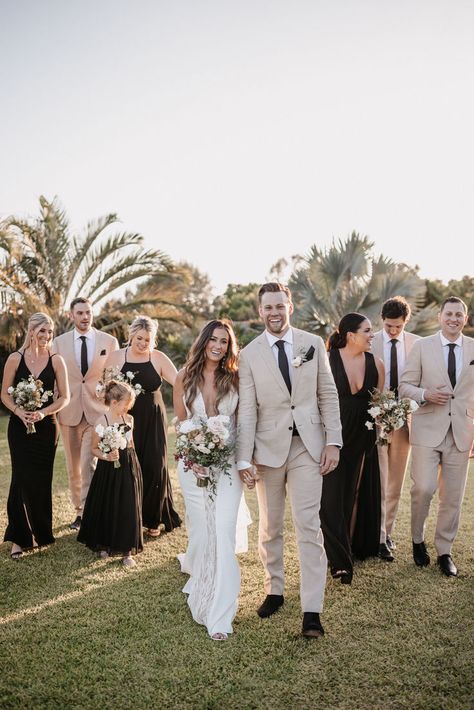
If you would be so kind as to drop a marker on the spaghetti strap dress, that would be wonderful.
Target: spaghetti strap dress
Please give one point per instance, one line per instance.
(29, 506)
(149, 435)
(351, 493)
(111, 519)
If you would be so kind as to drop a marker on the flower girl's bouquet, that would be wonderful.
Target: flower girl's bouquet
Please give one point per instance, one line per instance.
(388, 413)
(111, 437)
(114, 373)
(29, 395)
(205, 441)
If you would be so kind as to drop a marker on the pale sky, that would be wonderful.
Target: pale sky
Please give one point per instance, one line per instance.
(231, 134)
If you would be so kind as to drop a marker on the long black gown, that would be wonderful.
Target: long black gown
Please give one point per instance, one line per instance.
(111, 520)
(151, 447)
(354, 486)
(29, 506)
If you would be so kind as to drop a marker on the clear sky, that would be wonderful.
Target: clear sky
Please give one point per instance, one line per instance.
(234, 133)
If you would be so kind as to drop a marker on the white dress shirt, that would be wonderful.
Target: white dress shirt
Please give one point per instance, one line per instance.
(90, 344)
(401, 356)
(457, 352)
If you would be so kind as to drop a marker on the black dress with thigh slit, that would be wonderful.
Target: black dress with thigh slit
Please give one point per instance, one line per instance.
(350, 502)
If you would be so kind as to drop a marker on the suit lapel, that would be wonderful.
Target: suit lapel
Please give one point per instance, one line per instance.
(271, 363)
(298, 349)
(72, 349)
(466, 359)
(438, 354)
(377, 348)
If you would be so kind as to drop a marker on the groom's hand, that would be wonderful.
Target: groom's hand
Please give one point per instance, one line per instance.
(248, 476)
(329, 459)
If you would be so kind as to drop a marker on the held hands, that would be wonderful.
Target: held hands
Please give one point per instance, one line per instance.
(440, 395)
(249, 476)
(329, 459)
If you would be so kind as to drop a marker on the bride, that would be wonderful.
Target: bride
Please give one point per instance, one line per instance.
(207, 386)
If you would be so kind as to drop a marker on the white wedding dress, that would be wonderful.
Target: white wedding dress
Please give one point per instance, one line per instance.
(217, 529)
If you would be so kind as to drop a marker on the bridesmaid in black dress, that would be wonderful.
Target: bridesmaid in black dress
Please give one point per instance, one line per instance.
(112, 521)
(149, 367)
(29, 506)
(350, 503)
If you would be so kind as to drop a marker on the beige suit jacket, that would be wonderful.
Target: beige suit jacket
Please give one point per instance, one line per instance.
(83, 396)
(377, 343)
(426, 369)
(267, 411)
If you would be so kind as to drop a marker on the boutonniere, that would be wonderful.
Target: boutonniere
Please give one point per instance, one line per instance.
(303, 357)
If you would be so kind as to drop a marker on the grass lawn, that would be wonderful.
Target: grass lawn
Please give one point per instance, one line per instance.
(78, 632)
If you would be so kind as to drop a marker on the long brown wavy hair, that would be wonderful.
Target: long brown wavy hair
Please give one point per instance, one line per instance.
(226, 375)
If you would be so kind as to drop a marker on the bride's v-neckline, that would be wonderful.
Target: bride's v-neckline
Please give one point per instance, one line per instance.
(204, 405)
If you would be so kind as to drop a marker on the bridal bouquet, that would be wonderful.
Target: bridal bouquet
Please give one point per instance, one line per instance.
(388, 413)
(111, 437)
(29, 395)
(205, 441)
(114, 373)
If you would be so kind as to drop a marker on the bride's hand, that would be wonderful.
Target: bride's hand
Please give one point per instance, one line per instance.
(200, 471)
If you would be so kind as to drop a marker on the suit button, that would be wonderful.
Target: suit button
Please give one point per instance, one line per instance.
(290, 428)
(449, 414)
(292, 406)
(452, 396)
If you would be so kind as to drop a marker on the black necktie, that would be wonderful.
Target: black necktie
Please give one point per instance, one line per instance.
(394, 367)
(283, 363)
(84, 365)
(452, 364)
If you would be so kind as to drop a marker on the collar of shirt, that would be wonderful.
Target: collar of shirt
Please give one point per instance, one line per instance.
(387, 338)
(445, 341)
(272, 339)
(89, 335)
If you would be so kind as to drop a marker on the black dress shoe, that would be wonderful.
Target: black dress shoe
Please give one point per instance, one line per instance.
(271, 604)
(447, 566)
(384, 553)
(312, 627)
(76, 524)
(420, 554)
(390, 543)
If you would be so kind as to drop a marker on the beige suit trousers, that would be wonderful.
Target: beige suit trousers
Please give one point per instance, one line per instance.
(77, 441)
(443, 467)
(393, 464)
(301, 477)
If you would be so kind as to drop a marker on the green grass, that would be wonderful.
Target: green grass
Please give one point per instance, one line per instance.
(79, 632)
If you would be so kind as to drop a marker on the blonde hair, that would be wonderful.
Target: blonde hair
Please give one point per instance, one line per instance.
(36, 321)
(143, 323)
(119, 391)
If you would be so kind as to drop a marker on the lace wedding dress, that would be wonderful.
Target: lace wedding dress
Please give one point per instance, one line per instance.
(217, 529)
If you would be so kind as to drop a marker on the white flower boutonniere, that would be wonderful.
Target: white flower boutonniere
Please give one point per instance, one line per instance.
(302, 357)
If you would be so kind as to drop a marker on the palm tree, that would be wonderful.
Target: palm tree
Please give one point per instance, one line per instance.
(347, 277)
(43, 266)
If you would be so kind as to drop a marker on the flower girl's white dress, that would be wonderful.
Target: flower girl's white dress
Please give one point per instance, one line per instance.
(217, 529)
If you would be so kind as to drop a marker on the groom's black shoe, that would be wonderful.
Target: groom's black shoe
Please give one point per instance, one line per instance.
(447, 566)
(312, 627)
(420, 554)
(271, 604)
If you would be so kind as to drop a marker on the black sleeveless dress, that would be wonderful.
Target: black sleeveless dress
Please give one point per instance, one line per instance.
(150, 444)
(29, 506)
(112, 519)
(353, 488)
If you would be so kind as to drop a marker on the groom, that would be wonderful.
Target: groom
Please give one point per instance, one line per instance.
(289, 427)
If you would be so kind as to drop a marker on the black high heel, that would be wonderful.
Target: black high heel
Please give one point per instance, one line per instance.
(343, 575)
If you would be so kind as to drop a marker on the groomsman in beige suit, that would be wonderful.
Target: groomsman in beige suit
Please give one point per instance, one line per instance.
(439, 375)
(289, 427)
(392, 345)
(85, 351)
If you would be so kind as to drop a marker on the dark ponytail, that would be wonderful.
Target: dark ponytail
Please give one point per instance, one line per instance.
(349, 323)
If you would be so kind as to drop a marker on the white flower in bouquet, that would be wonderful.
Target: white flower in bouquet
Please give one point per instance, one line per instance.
(112, 437)
(114, 373)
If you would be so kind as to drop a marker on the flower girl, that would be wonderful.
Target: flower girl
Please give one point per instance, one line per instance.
(111, 522)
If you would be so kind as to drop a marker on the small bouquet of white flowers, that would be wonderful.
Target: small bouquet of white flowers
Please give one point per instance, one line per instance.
(388, 413)
(206, 441)
(29, 395)
(114, 373)
(111, 437)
